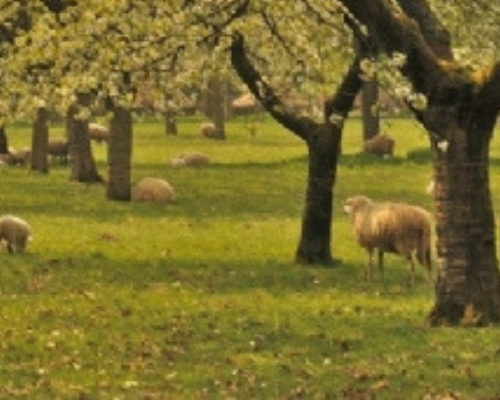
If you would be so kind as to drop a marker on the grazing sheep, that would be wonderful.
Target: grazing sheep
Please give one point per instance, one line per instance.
(207, 129)
(380, 145)
(58, 148)
(190, 160)
(98, 133)
(15, 232)
(21, 156)
(154, 190)
(6, 159)
(391, 227)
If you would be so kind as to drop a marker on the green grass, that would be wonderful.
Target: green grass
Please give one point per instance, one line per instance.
(201, 299)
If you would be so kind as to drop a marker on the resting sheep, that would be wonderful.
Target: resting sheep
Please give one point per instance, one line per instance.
(15, 232)
(380, 145)
(391, 227)
(207, 129)
(190, 160)
(98, 133)
(155, 190)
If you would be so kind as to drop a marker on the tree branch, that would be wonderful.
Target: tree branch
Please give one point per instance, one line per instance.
(489, 94)
(263, 92)
(342, 101)
(395, 32)
(434, 32)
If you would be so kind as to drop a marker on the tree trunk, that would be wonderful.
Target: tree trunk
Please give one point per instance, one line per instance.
(170, 123)
(315, 241)
(468, 284)
(4, 143)
(369, 109)
(83, 167)
(40, 140)
(120, 155)
(215, 106)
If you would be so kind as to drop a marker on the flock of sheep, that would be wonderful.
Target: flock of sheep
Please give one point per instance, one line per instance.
(380, 228)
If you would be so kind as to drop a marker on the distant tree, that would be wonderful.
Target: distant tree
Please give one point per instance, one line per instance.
(39, 141)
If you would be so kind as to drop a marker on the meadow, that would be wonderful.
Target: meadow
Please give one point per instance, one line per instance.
(201, 299)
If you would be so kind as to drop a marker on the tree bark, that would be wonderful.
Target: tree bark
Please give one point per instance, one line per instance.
(39, 143)
(468, 285)
(120, 155)
(315, 239)
(4, 143)
(369, 109)
(215, 105)
(83, 167)
(170, 122)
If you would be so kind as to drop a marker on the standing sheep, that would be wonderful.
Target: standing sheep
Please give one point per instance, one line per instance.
(15, 232)
(98, 133)
(58, 148)
(391, 227)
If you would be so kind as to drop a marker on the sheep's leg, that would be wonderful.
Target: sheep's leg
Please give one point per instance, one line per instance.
(381, 264)
(10, 247)
(412, 269)
(368, 272)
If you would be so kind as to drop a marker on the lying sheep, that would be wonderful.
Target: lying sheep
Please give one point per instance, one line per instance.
(391, 227)
(155, 190)
(98, 133)
(380, 145)
(15, 232)
(58, 148)
(190, 160)
(207, 129)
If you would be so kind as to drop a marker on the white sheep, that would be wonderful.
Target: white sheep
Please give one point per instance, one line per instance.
(398, 228)
(207, 129)
(98, 133)
(190, 160)
(155, 190)
(15, 232)
(380, 145)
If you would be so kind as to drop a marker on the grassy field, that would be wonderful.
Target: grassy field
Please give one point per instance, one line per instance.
(201, 299)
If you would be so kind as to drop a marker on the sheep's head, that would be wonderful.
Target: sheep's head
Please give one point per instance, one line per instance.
(353, 204)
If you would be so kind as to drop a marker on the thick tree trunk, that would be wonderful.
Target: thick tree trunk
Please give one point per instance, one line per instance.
(315, 240)
(468, 285)
(369, 104)
(120, 155)
(40, 140)
(83, 167)
(4, 144)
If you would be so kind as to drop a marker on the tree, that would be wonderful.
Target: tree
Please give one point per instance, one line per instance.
(83, 166)
(278, 52)
(39, 141)
(459, 106)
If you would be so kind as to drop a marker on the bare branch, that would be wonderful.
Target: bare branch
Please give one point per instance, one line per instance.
(265, 93)
(342, 101)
